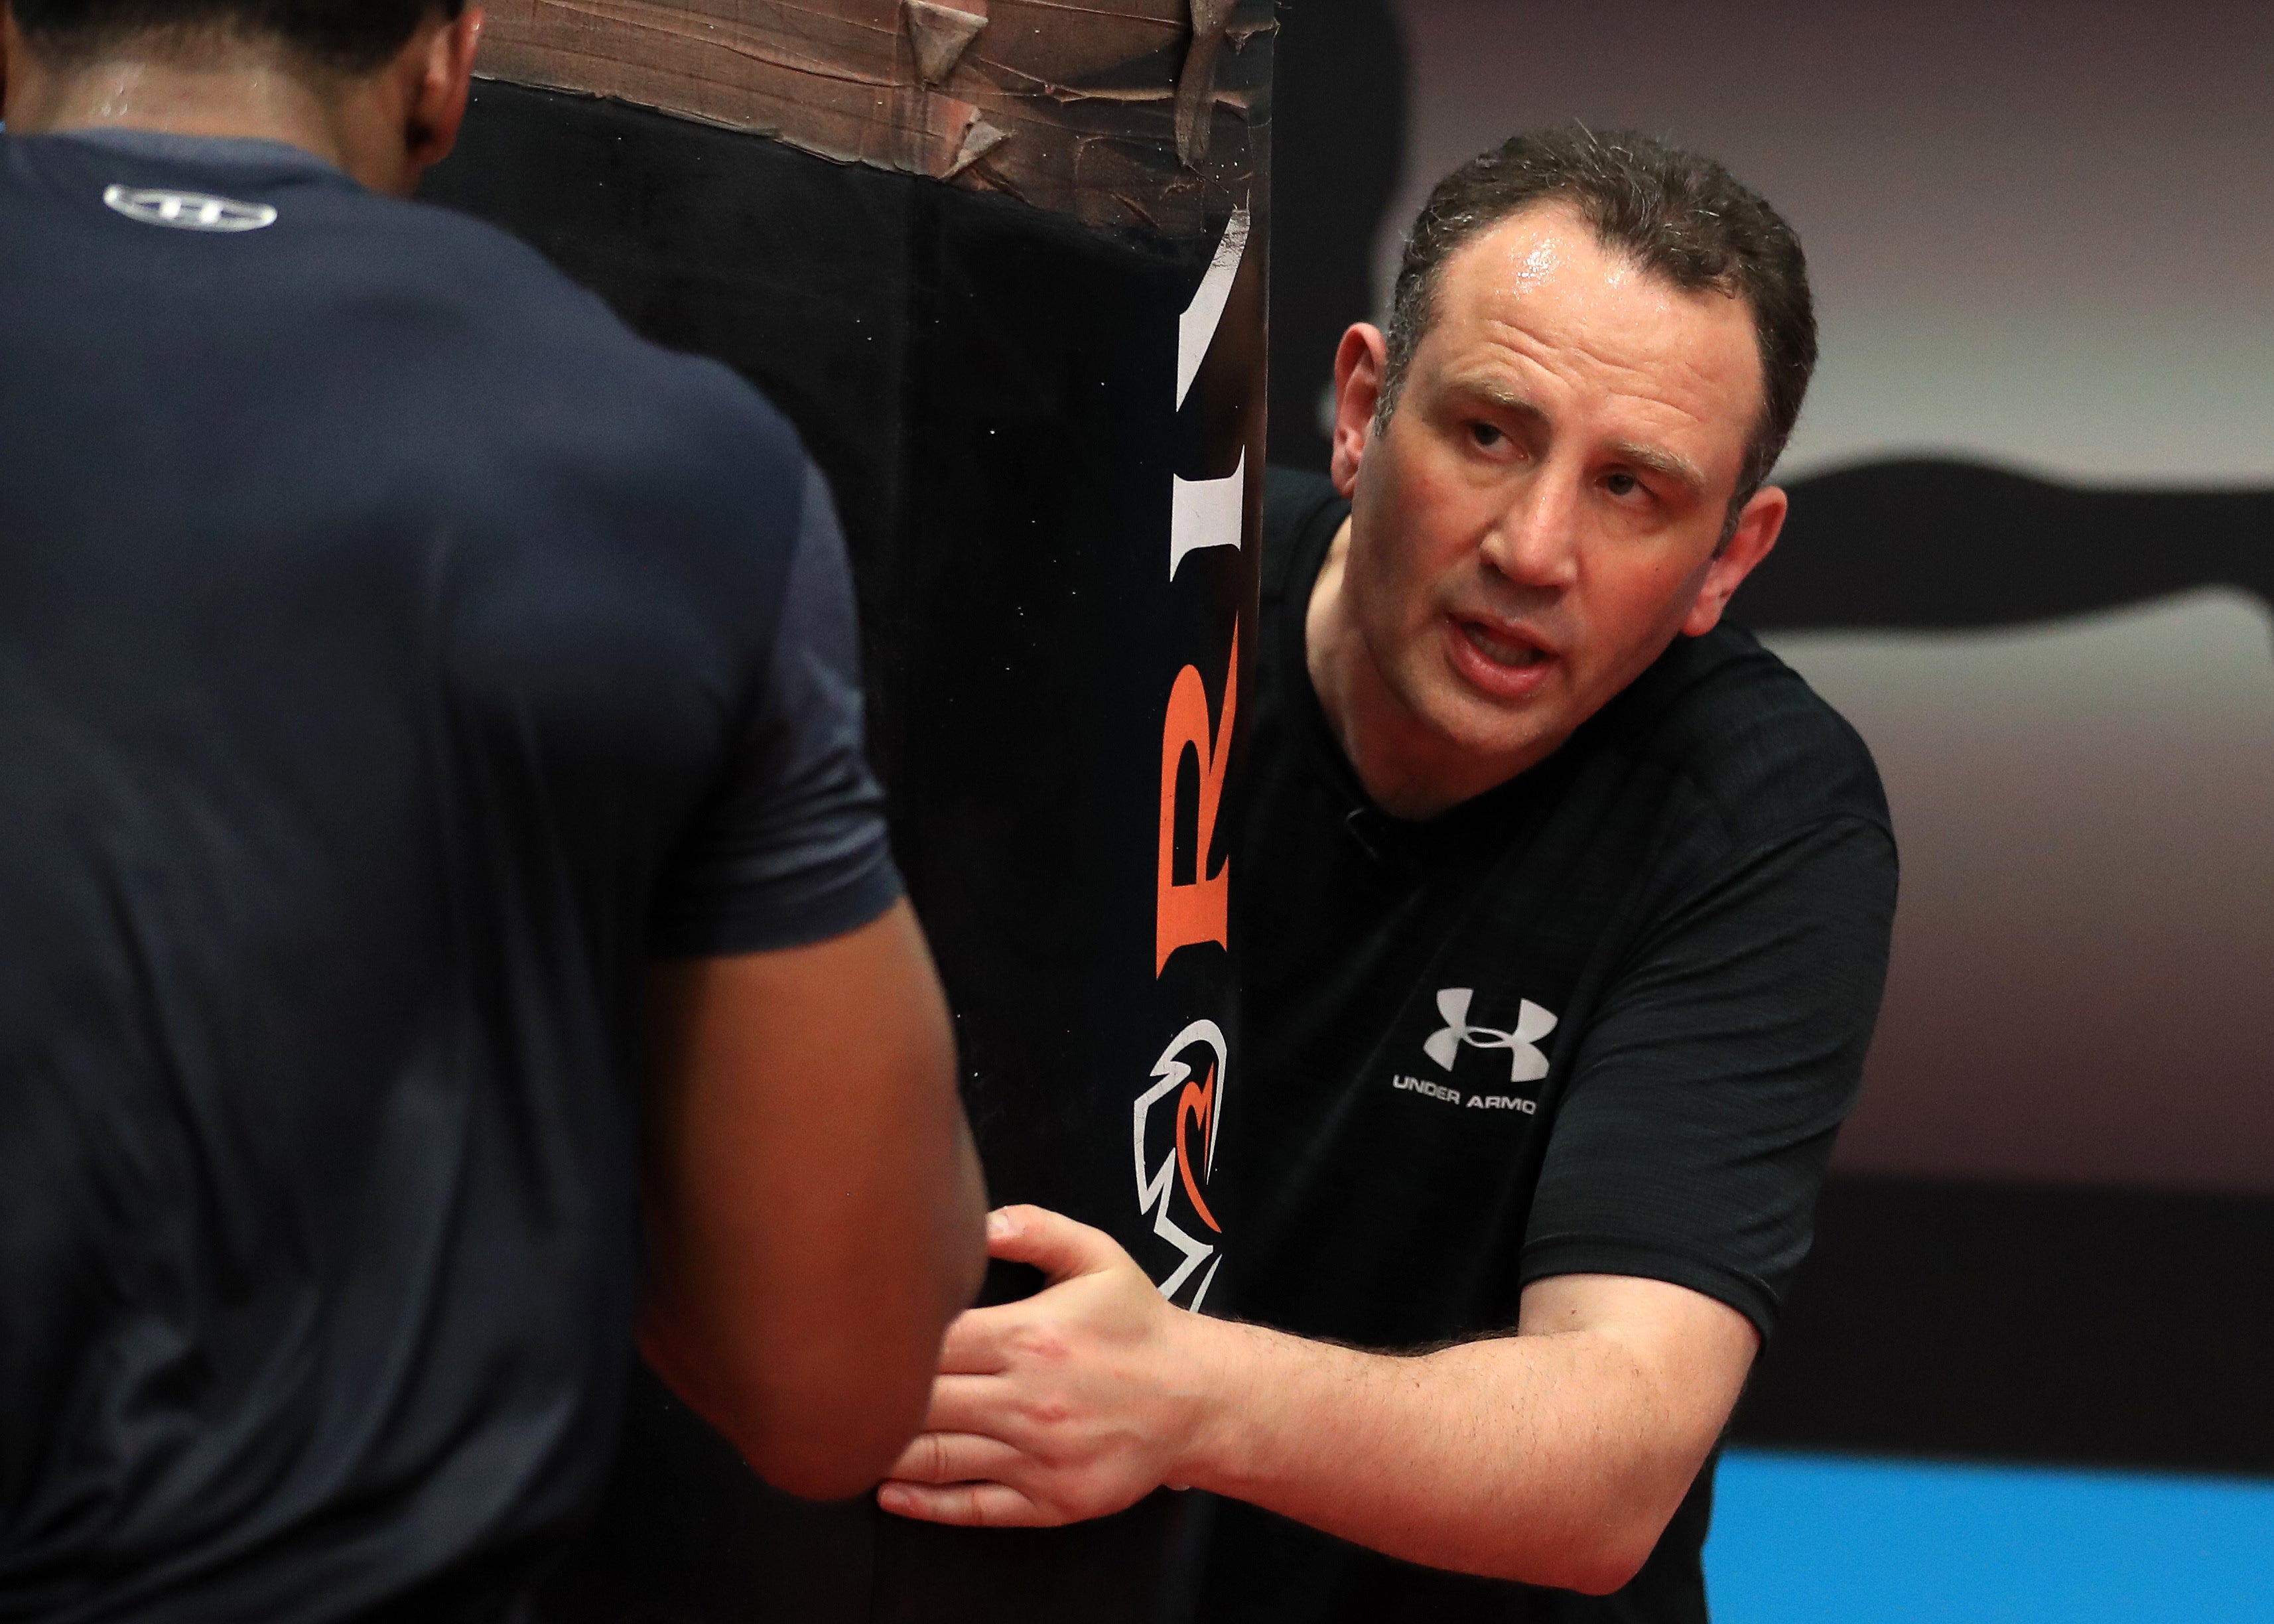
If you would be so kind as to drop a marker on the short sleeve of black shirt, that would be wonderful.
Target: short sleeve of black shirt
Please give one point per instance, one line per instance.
(791, 847)
(1704, 1095)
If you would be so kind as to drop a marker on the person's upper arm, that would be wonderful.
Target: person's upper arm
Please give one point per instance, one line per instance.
(812, 1202)
(1695, 1135)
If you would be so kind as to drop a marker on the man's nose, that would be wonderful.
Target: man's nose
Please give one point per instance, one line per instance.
(1535, 541)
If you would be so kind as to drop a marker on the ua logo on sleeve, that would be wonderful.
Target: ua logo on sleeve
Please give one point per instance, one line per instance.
(1526, 1063)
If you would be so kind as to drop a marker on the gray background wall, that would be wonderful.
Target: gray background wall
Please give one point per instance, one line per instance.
(2040, 232)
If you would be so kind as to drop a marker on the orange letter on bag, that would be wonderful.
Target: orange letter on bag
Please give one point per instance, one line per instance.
(1200, 912)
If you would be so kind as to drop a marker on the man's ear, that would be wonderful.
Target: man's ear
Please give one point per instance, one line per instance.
(1759, 524)
(7, 48)
(1360, 362)
(437, 105)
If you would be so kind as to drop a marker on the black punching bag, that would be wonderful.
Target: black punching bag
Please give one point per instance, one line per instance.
(1003, 264)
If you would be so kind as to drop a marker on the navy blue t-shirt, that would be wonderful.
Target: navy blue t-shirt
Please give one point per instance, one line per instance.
(395, 653)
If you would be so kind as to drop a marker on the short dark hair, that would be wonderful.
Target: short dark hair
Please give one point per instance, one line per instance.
(352, 35)
(1677, 213)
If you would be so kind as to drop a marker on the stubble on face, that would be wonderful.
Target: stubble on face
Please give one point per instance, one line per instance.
(1534, 522)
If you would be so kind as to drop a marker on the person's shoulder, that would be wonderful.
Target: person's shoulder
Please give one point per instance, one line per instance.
(523, 298)
(538, 407)
(1298, 505)
(452, 357)
(581, 374)
(1745, 732)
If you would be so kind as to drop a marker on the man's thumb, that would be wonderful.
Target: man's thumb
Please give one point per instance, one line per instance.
(1051, 1241)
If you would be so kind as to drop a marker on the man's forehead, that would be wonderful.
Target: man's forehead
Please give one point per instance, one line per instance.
(1554, 239)
(1538, 244)
(1541, 288)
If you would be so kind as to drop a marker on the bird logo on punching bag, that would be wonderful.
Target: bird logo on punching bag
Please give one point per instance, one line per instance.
(1195, 1067)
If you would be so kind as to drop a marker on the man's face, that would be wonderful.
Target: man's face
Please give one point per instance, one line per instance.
(1539, 517)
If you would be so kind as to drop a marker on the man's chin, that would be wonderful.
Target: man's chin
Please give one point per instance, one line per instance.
(1476, 729)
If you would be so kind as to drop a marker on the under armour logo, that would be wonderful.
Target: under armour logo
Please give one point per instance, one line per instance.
(1526, 1063)
(188, 210)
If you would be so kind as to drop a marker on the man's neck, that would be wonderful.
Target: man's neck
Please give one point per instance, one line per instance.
(1408, 771)
(376, 125)
(227, 90)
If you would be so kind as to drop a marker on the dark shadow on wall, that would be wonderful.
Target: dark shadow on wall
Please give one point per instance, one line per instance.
(1939, 544)
(1338, 148)
(2081, 1327)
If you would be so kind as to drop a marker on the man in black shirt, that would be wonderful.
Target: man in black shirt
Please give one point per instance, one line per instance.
(1565, 917)
(396, 659)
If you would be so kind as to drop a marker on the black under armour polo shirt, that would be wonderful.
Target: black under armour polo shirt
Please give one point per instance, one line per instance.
(1603, 1020)
(395, 654)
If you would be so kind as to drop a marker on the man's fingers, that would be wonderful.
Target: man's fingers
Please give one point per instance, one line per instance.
(980, 1404)
(971, 1347)
(964, 1504)
(1054, 1244)
(954, 1457)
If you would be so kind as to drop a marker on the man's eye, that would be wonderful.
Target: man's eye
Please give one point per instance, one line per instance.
(1486, 435)
(1621, 485)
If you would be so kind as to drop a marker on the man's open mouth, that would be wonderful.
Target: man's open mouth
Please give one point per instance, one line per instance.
(1514, 652)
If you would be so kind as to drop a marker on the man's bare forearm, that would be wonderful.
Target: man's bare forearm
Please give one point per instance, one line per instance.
(1555, 1456)
(1548, 1457)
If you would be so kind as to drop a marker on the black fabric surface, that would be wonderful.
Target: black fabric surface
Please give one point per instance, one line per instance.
(386, 636)
(1698, 888)
(992, 388)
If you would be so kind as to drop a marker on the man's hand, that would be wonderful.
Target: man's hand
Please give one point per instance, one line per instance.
(1554, 1456)
(1074, 1403)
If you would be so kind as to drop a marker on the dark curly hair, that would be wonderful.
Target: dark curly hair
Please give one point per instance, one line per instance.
(352, 35)
(1677, 214)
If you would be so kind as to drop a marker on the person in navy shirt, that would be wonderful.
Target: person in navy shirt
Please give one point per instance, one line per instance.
(435, 847)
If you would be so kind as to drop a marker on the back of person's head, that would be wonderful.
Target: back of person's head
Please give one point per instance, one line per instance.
(1677, 213)
(351, 36)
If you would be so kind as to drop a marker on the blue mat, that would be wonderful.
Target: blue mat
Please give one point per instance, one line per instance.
(1830, 1540)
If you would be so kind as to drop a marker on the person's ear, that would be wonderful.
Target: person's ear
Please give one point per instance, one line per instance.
(1361, 361)
(8, 48)
(1759, 524)
(438, 96)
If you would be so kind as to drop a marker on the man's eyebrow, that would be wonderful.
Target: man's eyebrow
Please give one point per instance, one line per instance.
(1652, 459)
(1667, 464)
(1500, 398)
